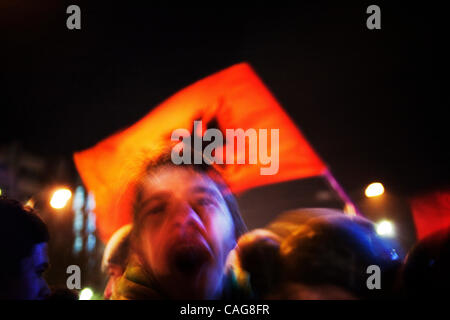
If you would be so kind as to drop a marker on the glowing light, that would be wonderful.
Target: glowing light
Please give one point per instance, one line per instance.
(78, 199)
(30, 203)
(86, 294)
(385, 228)
(0, 192)
(60, 198)
(91, 242)
(349, 209)
(374, 190)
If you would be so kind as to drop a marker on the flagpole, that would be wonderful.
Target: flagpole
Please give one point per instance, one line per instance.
(350, 208)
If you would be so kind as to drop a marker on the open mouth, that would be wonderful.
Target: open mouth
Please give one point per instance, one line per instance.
(189, 259)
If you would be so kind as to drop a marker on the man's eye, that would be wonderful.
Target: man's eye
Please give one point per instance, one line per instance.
(205, 202)
(157, 208)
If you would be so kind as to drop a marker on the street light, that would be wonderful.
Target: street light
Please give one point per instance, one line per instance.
(375, 189)
(60, 198)
(86, 294)
(385, 228)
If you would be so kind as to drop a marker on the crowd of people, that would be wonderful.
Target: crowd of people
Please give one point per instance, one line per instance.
(188, 241)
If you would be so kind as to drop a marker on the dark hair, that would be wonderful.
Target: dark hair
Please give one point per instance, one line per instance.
(20, 229)
(425, 272)
(337, 250)
(165, 160)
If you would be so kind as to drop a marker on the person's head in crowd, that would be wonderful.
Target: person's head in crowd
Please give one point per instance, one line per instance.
(23, 250)
(425, 274)
(186, 221)
(256, 258)
(288, 222)
(115, 257)
(324, 258)
(329, 257)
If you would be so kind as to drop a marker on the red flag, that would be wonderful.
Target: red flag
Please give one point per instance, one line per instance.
(233, 98)
(431, 212)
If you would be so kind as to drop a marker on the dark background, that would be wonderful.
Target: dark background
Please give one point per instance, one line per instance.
(369, 101)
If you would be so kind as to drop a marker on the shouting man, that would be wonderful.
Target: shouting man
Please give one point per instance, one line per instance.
(186, 221)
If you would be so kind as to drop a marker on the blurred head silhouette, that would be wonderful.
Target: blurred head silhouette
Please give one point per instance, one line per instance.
(115, 257)
(426, 270)
(23, 250)
(318, 254)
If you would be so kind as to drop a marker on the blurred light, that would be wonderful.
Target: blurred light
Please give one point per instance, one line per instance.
(30, 203)
(78, 199)
(0, 192)
(385, 228)
(349, 209)
(394, 254)
(90, 228)
(91, 242)
(78, 221)
(77, 244)
(374, 190)
(60, 198)
(90, 202)
(86, 294)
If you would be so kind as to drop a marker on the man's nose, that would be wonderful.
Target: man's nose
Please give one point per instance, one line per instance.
(188, 217)
(108, 289)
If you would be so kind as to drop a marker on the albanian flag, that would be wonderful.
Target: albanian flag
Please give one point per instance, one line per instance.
(234, 98)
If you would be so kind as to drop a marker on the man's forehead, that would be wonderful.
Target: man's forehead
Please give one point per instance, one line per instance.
(170, 179)
(173, 172)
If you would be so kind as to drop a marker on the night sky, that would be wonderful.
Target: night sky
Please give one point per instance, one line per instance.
(369, 101)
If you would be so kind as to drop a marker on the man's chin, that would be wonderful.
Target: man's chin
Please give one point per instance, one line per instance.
(194, 283)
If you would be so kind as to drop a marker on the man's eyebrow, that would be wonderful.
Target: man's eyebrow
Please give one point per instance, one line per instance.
(155, 197)
(207, 190)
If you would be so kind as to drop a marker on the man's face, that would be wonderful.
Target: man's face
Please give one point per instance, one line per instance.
(186, 232)
(30, 284)
(114, 272)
